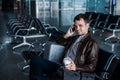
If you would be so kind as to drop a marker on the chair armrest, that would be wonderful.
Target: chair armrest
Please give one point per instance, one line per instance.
(16, 24)
(113, 24)
(12, 20)
(47, 25)
(20, 26)
(51, 28)
(27, 30)
(104, 75)
(101, 24)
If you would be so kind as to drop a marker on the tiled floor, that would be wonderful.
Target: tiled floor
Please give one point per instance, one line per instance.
(9, 59)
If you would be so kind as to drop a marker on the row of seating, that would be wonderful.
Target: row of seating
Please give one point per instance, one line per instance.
(33, 32)
(22, 22)
(30, 29)
(104, 22)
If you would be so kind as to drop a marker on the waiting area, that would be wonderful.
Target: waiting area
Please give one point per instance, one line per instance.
(28, 34)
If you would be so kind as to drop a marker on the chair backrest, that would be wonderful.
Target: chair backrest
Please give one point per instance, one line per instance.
(89, 14)
(103, 18)
(29, 22)
(53, 52)
(94, 19)
(106, 65)
(112, 22)
(39, 26)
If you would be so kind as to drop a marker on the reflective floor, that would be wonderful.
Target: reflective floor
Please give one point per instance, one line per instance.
(9, 59)
(9, 69)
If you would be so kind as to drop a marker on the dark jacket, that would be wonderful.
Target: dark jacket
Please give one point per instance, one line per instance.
(87, 52)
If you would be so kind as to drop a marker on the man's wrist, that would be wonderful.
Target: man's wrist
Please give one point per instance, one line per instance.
(65, 36)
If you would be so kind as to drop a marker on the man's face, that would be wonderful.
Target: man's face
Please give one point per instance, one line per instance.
(81, 27)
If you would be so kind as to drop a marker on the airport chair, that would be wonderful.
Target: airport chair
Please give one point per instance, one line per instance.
(49, 31)
(19, 22)
(107, 62)
(36, 50)
(46, 47)
(40, 33)
(101, 21)
(46, 28)
(103, 18)
(113, 26)
(15, 20)
(94, 19)
(39, 26)
(40, 41)
(27, 24)
(89, 14)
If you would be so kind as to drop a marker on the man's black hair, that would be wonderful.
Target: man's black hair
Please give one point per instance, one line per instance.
(79, 16)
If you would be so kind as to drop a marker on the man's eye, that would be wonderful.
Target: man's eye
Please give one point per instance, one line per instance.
(80, 25)
(74, 25)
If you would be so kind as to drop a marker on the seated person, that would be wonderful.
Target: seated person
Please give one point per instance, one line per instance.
(81, 50)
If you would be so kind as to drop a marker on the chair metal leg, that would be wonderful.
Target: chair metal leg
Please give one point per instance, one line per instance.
(25, 67)
(27, 37)
(112, 36)
(24, 43)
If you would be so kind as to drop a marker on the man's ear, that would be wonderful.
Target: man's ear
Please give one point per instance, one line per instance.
(88, 25)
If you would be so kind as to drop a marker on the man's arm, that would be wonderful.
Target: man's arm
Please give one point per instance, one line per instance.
(62, 40)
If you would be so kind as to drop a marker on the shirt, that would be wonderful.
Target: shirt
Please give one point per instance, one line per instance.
(71, 53)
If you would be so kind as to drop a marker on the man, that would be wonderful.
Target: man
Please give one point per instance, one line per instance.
(80, 49)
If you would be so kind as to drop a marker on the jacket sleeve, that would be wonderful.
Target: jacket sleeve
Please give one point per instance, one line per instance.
(62, 41)
(91, 59)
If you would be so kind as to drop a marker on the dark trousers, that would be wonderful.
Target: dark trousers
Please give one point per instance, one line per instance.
(42, 69)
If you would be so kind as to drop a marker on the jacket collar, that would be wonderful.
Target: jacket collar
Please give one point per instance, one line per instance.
(86, 36)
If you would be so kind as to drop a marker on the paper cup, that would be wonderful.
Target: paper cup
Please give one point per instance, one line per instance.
(67, 61)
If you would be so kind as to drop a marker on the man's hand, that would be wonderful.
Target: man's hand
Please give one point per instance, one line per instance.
(69, 32)
(71, 66)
